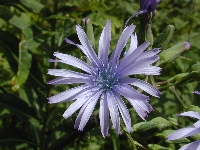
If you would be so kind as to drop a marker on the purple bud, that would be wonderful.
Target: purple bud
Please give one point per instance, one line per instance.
(187, 46)
(149, 5)
(146, 6)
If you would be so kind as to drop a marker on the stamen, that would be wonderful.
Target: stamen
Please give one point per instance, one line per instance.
(106, 78)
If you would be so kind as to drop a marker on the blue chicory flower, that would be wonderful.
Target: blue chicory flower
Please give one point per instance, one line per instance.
(188, 131)
(106, 79)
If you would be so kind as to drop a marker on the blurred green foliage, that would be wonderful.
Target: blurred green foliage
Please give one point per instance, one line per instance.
(31, 30)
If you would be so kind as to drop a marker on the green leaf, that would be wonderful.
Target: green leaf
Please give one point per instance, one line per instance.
(194, 39)
(35, 38)
(145, 126)
(25, 59)
(185, 78)
(193, 108)
(18, 108)
(149, 35)
(18, 22)
(157, 147)
(162, 122)
(87, 26)
(196, 67)
(145, 130)
(5, 13)
(34, 5)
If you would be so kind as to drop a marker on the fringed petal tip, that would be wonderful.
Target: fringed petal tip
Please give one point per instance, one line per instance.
(158, 71)
(196, 92)
(131, 25)
(104, 133)
(51, 60)
(104, 136)
(80, 129)
(168, 139)
(49, 82)
(158, 49)
(108, 22)
(55, 53)
(177, 115)
(143, 117)
(64, 116)
(151, 110)
(119, 132)
(49, 72)
(78, 26)
(50, 101)
(147, 42)
(158, 94)
(69, 41)
(146, 114)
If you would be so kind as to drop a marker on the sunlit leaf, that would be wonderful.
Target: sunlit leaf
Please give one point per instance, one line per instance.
(34, 5)
(35, 38)
(24, 65)
(18, 22)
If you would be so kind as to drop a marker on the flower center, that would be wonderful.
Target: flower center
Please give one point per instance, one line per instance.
(106, 78)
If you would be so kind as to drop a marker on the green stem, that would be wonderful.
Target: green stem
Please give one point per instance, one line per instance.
(171, 121)
(142, 29)
(152, 81)
(178, 97)
(162, 88)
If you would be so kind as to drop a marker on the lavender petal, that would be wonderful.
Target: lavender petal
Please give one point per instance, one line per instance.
(191, 146)
(104, 43)
(184, 132)
(104, 116)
